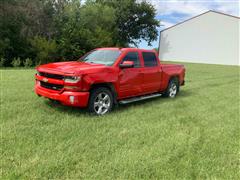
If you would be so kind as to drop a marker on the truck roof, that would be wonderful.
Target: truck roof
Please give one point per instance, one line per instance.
(126, 49)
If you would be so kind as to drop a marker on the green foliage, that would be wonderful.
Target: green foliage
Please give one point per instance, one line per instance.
(47, 30)
(28, 62)
(135, 21)
(2, 61)
(16, 62)
(43, 49)
(100, 22)
(85, 28)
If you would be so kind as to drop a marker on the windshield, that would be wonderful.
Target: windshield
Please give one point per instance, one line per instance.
(101, 56)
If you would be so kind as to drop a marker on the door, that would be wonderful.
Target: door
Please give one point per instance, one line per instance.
(130, 79)
(151, 72)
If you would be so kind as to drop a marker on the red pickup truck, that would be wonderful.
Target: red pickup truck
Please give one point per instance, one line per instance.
(106, 77)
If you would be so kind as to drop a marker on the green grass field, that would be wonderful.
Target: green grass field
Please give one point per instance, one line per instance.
(195, 136)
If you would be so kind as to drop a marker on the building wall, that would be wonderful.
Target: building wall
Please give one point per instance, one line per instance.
(211, 38)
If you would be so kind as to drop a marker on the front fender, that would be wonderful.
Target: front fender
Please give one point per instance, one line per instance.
(98, 78)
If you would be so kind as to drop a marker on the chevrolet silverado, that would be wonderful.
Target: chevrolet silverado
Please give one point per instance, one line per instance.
(106, 77)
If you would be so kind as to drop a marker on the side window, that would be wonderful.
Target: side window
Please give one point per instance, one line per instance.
(132, 56)
(150, 59)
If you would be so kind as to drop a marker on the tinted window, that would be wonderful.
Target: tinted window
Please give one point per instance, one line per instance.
(132, 56)
(149, 59)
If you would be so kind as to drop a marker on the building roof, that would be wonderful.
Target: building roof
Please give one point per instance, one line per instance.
(201, 15)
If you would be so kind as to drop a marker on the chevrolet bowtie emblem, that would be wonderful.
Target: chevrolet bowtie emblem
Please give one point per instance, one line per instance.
(45, 80)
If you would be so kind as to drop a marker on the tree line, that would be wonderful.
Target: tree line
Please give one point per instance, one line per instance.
(34, 32)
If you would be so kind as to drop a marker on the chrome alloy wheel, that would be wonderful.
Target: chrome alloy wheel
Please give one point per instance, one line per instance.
(102, 103)
(173, 90)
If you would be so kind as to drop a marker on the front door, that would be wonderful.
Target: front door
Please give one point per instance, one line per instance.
(130, 79)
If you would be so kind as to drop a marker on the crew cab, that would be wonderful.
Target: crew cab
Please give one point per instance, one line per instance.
(106, 77)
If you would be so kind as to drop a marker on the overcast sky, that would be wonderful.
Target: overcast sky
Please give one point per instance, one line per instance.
(171, 12)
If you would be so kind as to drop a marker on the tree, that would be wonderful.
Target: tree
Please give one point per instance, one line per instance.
(12, 44)
(134, 20)
(20, 21)
(53, 30)
(84, 28)
(43, 49)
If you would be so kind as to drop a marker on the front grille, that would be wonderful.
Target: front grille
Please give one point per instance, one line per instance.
(56, 87)
(53, 76)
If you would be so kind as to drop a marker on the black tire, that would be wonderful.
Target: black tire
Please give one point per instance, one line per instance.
(100, 101)
(172, 89)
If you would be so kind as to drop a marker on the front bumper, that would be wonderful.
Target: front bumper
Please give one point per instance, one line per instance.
(79, 99)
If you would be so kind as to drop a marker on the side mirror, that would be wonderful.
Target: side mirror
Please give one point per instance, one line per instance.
(126, 64)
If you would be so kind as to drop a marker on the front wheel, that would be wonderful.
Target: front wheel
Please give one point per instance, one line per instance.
(172, 89)
(101, 101)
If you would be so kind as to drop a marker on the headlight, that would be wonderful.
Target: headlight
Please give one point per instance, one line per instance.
(72, 79)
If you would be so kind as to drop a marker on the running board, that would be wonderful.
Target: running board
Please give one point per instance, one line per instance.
(134, 99)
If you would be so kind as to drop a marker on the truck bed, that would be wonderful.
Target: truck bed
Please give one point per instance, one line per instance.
(170, 70)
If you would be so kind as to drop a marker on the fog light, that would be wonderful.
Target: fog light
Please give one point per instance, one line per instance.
(71, 99)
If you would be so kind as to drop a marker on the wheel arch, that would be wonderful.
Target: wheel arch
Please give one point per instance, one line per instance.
(107, 85)
(175, 77)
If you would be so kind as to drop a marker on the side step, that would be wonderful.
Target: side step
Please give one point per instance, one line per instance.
(134, 99)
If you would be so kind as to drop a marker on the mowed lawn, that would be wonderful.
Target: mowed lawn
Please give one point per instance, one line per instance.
(195, 136)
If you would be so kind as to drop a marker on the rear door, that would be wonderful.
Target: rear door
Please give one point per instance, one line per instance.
(151, 72)
(131, 79)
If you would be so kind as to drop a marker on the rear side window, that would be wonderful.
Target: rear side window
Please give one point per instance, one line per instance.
(150, 59)
(132, 56)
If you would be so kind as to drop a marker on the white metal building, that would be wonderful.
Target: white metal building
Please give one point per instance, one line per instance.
(211, 37)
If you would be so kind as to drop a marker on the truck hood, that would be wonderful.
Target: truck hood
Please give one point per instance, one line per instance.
(71, 67)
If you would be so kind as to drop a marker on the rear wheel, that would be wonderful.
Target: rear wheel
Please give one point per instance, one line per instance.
(101, 101)
(173, 88)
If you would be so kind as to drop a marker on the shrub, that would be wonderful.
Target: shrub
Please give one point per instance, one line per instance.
(43, 49)
(2, 61)
(16, 62)
(27, 62)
